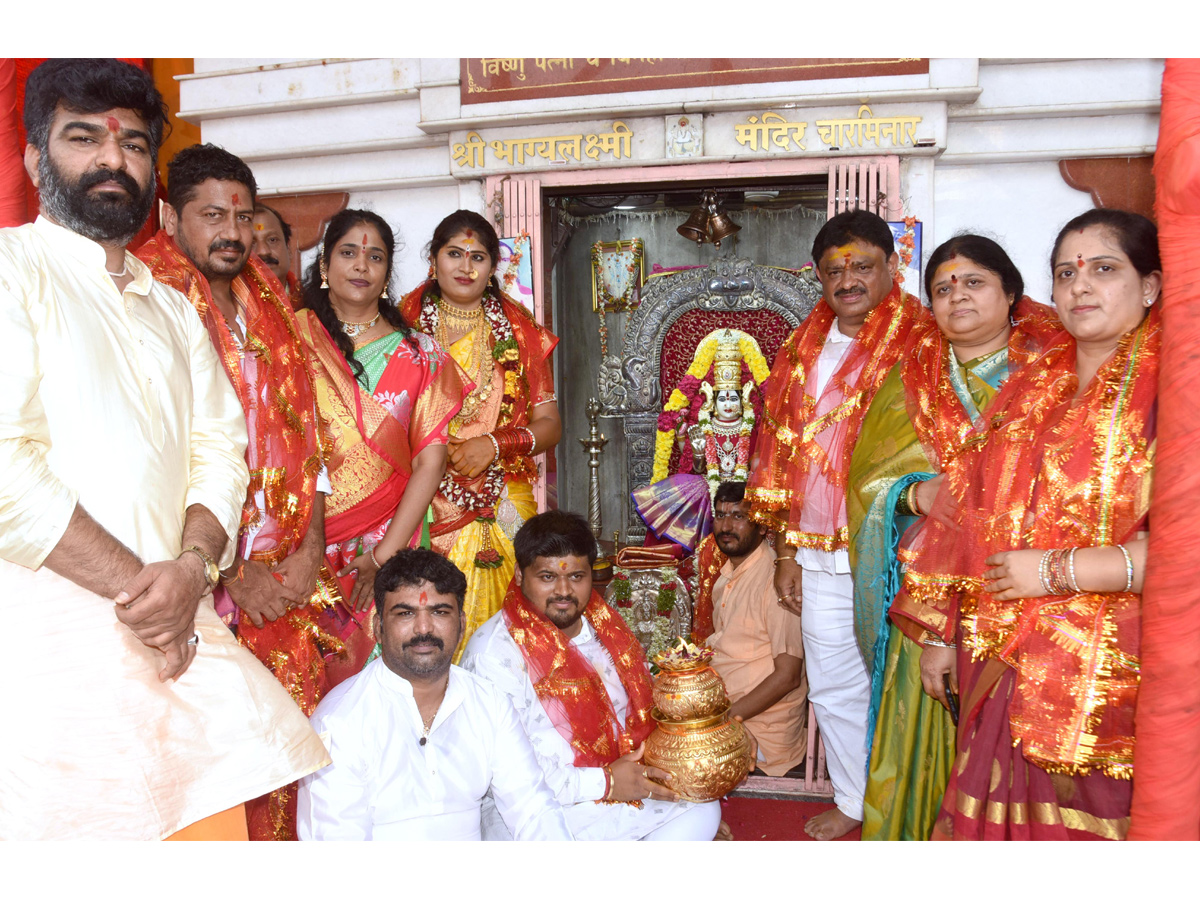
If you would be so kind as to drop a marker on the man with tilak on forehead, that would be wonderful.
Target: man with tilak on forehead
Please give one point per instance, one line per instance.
(272, 595)
(823, 381)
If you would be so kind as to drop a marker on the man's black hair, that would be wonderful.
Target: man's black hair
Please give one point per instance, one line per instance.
(287, 229)
(192, 166)
(554, 533)
(730, 492)
(91, 86)
(409, 568)
(858, 225)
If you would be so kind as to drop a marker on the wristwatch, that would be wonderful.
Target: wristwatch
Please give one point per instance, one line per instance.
(212, 574)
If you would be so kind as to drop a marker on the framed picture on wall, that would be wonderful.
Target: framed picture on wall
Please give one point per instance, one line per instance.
(907, 235)
(618, 272)
(514, 271)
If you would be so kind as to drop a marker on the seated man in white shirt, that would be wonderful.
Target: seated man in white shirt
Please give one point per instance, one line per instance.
(580, 684)
(415, 741)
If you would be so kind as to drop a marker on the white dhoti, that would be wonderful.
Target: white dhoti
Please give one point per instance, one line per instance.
(838, 685)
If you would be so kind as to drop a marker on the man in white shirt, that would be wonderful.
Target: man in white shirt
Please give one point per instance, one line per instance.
(417, 742)
(821, 384)
(580, 684)
(122, 447)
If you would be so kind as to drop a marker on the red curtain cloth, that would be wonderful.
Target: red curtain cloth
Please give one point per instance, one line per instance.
(12, 166)
(1166, 786)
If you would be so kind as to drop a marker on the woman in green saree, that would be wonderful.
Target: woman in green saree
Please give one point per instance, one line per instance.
(918, 424)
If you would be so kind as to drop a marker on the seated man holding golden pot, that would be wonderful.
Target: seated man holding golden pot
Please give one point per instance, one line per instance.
(579, 681)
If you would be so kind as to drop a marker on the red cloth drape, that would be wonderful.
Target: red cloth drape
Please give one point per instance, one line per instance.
(1166, 786)
(12, 165)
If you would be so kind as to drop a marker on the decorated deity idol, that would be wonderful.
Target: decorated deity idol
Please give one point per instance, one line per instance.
(711, 413)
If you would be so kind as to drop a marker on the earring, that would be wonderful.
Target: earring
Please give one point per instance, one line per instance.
(384, 295)
(324, 277)
(432, 272)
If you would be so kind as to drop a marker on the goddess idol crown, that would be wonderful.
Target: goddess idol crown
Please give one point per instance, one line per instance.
(727, 362)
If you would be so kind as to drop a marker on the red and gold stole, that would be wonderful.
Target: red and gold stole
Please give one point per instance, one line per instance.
(284, 453)
(1057, 472)
(570, 691)
(709, 560)
(274, 383)
(946, 431)
(799, 483)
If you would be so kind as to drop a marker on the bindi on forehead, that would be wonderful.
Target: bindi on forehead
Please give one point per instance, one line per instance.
(237, 200)
(365, 240)
(423, 599)
(258, 226)
(1079, 260)
(562, 565)
(113, 125)
(953, 278)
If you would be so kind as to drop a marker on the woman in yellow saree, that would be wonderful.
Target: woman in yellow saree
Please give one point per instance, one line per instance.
(511, 414)
(386, 394)
(919, 422)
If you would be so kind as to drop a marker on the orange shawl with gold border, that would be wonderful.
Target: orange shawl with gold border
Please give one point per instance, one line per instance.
(568, 686)
(275, 388)
(1057, 472)
(799, 483)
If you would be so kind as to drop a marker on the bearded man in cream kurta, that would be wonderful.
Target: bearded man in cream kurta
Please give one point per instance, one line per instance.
(122, 446)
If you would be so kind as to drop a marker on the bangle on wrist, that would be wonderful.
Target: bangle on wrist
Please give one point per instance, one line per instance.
(913, 504)
(374, 561)
(933, 640)
(496, 444)
(1128, 568)
(780, 559)
(241, 573)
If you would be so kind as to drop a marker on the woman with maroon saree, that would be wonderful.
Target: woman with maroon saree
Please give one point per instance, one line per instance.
(1040, 566)
(385, 399)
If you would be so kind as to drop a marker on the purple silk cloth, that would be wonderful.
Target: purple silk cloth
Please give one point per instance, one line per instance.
(677, 508)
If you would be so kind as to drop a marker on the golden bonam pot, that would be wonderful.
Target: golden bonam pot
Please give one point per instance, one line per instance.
(708, 757)
(689, 693)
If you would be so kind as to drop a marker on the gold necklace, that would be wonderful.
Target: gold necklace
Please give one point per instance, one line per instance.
(468, 318)
(474, 401)
(354, 329)
(428, 725)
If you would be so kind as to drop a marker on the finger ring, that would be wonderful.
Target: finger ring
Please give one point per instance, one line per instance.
(194, 639)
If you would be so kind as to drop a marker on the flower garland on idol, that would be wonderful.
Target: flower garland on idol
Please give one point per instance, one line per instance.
(506, 354)
(684, 395)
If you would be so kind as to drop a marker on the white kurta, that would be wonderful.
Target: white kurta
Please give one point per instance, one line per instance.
(385, 785)
(492, 654)
(838, 685)
(118, 403)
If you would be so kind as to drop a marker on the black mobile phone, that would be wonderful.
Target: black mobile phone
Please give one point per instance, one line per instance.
(951, 698)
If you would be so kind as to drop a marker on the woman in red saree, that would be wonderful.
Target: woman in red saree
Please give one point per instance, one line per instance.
(386, 396)
(1050, 531)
